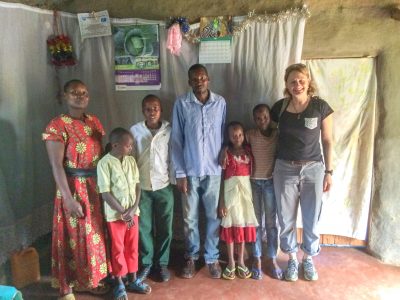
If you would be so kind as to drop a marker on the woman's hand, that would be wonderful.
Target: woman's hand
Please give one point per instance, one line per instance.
(74, 208)
(327, 182)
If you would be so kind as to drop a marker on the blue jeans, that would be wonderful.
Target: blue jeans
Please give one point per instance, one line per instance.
(296, 184)
(265, 206)
(206, 190)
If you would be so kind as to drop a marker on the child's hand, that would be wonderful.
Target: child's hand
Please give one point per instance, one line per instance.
(222, 211)
(125, 216)
(128, 215)
(130, 223)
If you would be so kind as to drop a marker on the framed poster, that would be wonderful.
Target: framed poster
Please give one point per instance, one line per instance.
(137, 57)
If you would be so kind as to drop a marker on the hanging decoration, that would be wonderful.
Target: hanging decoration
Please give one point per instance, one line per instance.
(176, 26)
(193, 35)
(181, 21)
(59, 45)
(174, 40)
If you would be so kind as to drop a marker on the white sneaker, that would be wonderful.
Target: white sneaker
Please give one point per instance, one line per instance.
(310, 273)
(292, 271)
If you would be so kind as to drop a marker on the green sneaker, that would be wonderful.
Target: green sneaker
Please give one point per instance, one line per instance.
(310, 273)
(292, 271)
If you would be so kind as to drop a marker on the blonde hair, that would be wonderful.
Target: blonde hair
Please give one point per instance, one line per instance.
(302, 68)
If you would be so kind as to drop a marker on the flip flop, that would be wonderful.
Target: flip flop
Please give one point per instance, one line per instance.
(119, 292)
(229, 274)
(243, 272)
(276, 273)
(139, 287)
(256, 273)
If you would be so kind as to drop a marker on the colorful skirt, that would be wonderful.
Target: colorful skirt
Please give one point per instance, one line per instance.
(239, 224)
(78, 244)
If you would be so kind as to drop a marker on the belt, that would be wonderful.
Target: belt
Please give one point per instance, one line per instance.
(75, 172)
(299, 162)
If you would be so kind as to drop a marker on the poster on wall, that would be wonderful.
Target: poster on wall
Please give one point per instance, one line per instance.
(94, 24)
(137, 57)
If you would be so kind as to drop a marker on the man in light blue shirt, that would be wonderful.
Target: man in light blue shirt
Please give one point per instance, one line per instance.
(198, 123)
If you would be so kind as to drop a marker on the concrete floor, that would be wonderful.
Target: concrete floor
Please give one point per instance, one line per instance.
(344, 273)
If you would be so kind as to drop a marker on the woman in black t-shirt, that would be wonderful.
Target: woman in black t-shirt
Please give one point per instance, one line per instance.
(302, 173)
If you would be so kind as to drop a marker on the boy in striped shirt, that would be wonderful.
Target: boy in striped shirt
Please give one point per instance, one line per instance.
(263, 141)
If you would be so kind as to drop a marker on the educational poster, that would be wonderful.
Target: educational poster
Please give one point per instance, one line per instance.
(216, 40)
(137, 57)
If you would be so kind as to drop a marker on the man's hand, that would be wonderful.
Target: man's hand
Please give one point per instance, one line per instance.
(182, 185)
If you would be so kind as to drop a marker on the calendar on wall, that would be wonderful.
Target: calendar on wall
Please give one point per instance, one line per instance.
(215, 51)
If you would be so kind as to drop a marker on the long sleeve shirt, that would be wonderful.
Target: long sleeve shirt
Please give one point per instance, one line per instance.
(197, 135)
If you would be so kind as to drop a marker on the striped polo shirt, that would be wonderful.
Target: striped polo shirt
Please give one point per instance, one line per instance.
(264, 152)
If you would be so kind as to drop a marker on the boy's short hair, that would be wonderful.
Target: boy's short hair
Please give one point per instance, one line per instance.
(148, 97)
(117, 134)
(260, 107)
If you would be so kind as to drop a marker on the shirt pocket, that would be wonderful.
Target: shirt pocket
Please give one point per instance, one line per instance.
(310, 123)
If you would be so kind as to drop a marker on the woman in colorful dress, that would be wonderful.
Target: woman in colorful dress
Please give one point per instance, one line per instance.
(73, 143)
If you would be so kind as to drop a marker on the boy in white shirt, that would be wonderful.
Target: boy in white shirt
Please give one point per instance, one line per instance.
(157, 202)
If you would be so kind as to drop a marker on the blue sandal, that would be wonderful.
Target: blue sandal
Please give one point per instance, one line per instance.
(276, 273)
(256, 273)
(119, 292)
(139, 287)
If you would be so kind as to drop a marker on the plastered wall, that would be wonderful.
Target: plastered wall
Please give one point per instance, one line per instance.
(356, 32)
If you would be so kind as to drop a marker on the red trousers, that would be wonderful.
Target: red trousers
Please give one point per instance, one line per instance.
(124, 247)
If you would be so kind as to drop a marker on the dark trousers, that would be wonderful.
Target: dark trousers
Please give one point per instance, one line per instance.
(155, 226)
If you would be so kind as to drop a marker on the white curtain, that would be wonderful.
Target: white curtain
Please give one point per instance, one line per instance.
(28, 89)
(350, 87)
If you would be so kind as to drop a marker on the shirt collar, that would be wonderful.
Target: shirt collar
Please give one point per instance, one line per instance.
(193, 98)
(163, 124)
